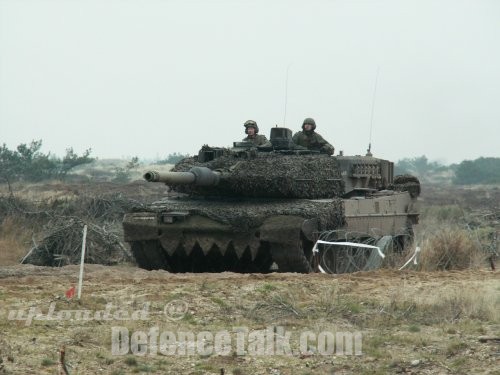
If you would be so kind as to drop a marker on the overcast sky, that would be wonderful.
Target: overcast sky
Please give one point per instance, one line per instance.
(153, 77)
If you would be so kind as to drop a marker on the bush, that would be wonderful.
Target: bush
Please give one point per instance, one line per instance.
(28, 163)
(479, 171)
(122, 175)
(451, 248)
(419, 166)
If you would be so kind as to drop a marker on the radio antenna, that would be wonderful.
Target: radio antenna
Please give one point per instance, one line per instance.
(368, 152)
(286, 92)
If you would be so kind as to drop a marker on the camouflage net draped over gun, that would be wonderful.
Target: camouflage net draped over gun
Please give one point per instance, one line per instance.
(268, 175)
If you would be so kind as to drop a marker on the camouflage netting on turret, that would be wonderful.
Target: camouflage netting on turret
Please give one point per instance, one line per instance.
(242, 215)
(269, 175)
(407, 183)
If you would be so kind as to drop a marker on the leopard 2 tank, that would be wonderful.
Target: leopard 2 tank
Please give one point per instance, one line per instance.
(259, 209)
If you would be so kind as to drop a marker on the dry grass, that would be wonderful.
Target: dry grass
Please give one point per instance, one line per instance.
(277, 306)
(45, 212)
(431, 317)
(452, 238)
(446, 213)
(451, 249)
(468, 303)
(13, 241)
(445, 305)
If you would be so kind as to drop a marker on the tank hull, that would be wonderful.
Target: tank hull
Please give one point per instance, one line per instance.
(201, 235)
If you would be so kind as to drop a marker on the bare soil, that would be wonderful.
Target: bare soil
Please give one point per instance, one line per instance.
(411, 322)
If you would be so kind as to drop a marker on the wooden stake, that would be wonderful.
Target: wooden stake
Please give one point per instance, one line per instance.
(62, 362)
(80, 281)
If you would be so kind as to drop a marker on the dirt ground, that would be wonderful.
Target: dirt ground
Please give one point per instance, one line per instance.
(400, 322)
(409, 322)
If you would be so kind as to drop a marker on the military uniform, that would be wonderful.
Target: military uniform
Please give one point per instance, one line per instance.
(312, 140)
(258, 140)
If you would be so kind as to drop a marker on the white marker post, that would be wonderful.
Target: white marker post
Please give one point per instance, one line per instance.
(80, 281)
(413, 257)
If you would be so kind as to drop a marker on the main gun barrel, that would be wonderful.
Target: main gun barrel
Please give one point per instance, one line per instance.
(200, 176)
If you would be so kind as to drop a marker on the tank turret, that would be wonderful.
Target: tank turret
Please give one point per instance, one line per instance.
(284, 170)
(262, 174)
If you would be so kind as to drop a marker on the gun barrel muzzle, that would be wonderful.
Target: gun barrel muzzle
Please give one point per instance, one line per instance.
(200, 176)
(181, 178)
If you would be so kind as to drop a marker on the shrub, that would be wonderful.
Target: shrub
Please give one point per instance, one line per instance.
(479, 171)
(451, 248)
(28, 163)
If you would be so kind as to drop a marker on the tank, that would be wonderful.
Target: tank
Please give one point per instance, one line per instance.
(263, 209)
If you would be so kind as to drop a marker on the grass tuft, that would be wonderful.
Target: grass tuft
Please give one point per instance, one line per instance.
(131, 361)
(451, 248)
(48, 362)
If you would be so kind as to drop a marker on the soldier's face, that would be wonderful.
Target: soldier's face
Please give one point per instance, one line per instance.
(308, 127)
(250, 131)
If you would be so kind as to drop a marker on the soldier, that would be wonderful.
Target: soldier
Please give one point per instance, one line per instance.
(251, 130)
(310, 139)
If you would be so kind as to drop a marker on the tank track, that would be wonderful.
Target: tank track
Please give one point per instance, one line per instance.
(290, 259)
(150, 255)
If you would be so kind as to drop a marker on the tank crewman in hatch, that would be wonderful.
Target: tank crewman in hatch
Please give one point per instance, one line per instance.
(251, 130)
(310, 139)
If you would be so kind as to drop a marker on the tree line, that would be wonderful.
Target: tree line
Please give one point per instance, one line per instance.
(483, 170)
(28, 163)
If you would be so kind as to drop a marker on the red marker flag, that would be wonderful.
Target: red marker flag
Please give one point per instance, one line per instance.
(70, 293)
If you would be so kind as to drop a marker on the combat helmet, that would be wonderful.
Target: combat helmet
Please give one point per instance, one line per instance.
(309, 121)
(251, 123)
